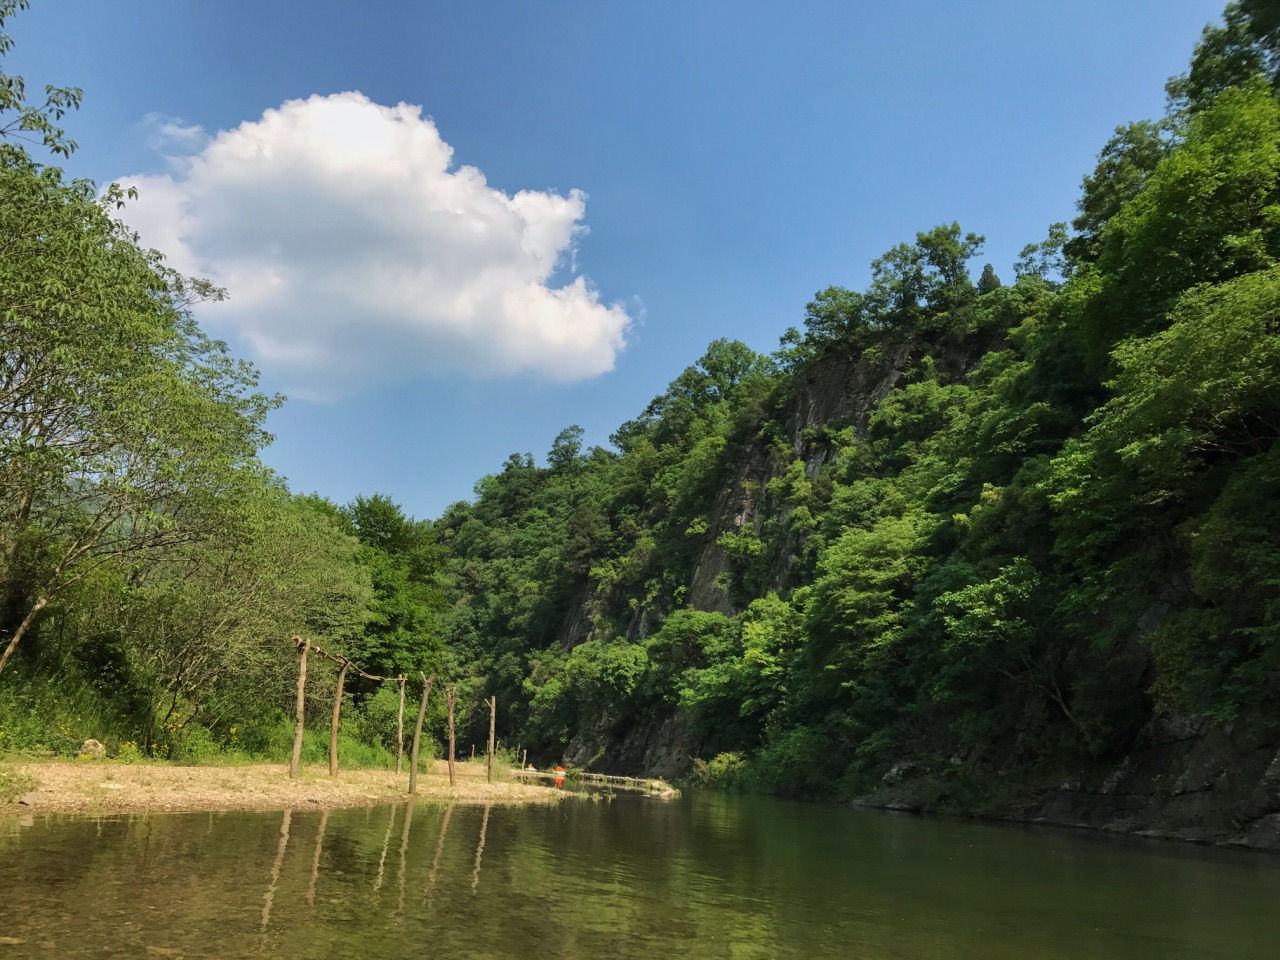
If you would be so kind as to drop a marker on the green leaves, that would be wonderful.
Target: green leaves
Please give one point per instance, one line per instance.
(123, 429)
(1207, 213)
(28, 122)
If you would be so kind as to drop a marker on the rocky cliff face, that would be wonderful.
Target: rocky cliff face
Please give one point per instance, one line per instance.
(837, 390)
(1185, 778)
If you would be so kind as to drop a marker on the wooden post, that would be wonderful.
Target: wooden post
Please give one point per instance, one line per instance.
(473, 751)
(400, 727)
(333, 724)
(493, 718)
(300, 708)
(524, 759)
(448, 699)
(417, 731)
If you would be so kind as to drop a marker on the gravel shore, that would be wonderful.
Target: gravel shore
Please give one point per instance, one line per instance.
(106, 787)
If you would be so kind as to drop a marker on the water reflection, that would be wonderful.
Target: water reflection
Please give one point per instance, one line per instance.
(484, 828)
(386, 845)
(315, 858)
(404, 846)
(435, 861)
(704, 877)
(270, 895)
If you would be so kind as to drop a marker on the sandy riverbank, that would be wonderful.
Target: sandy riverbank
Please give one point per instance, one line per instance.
(106, 787)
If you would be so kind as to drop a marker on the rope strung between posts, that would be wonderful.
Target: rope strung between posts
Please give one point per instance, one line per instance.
(339, 659)
(305, 647)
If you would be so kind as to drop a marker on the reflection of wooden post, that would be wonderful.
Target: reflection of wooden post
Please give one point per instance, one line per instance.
(400, 727)
(493, 719)
(448, 699)
(315, 859)
(435, 863)
(484, 828)
(404, 847)
(417, 731)
(275, 868)
(300, 708)
(386, 844)
(333, 724)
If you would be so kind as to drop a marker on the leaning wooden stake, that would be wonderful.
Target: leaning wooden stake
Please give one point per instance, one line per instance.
(300, 708)
(400, 727)
(417, 731)
(493, 717)
(448, 699)
(333, 724)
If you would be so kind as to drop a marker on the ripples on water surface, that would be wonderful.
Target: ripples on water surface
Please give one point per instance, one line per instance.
(707, 876)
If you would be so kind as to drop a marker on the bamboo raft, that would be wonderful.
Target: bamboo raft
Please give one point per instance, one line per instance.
(649, 786)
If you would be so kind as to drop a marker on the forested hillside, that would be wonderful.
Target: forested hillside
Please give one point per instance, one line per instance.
(975, 529)
(979, 524)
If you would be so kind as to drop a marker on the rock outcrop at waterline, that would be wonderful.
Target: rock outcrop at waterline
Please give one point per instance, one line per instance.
(1186, 778)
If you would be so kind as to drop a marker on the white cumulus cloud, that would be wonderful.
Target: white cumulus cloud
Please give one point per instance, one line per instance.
(354, 253)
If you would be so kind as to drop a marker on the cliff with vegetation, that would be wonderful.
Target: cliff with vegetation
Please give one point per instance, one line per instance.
(1007, 545)
(958, 544)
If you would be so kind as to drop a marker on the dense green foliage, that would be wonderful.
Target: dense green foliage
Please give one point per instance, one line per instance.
(1051, 516)
(989, 527)
(152, 570)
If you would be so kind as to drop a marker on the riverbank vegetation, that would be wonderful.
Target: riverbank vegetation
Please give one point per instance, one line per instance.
(1049, 509)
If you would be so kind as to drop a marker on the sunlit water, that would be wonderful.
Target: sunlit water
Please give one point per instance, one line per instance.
(706, 876)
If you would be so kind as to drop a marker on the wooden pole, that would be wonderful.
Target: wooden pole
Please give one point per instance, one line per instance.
(493, 719)
(448, 699)
(417, 731)
(524, 759)
(333, 724)
(400, 727)
(300, 707)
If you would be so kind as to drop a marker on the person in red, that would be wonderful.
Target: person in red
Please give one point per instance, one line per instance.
(559, 775)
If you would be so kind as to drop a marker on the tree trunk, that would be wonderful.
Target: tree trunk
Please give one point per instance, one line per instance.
(23, 627)
(400, 730)
(333, 724)
(493, 718)
(448, 698)
(417, 731)
(300, 706)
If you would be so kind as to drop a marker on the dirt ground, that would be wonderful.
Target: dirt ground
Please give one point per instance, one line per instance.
(108, 787)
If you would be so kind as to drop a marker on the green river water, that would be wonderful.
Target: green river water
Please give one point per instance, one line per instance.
(704, 876)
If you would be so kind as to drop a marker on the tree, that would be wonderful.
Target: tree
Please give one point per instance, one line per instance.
(1247, 44)
(566, 448)
(123, 428)
(29, 122)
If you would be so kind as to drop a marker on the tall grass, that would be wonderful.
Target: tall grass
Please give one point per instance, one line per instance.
(54, 715)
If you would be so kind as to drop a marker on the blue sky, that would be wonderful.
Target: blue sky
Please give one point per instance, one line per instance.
(732, 160)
